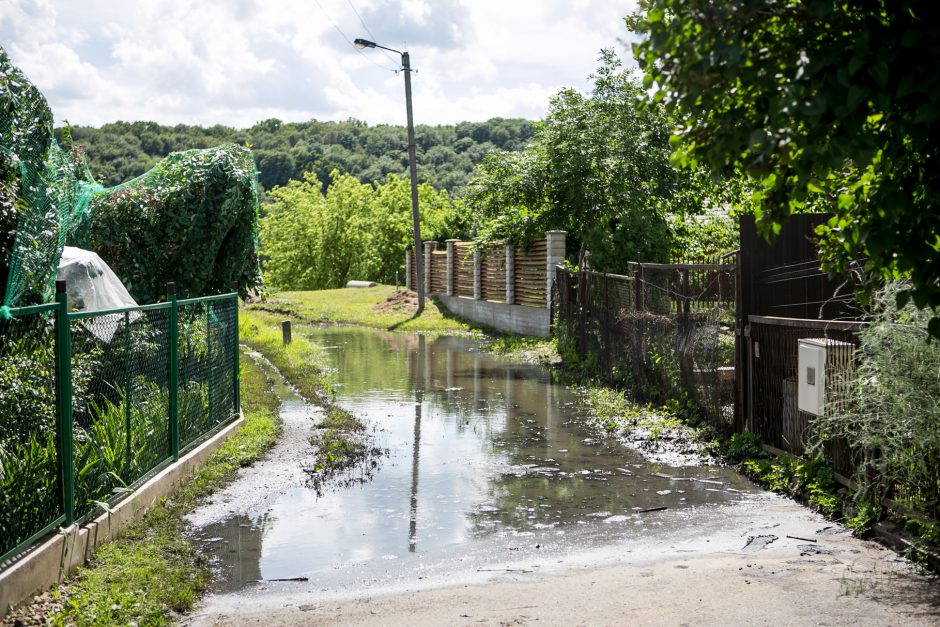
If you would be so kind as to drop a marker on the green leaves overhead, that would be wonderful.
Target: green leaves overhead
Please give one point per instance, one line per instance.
(834, 106)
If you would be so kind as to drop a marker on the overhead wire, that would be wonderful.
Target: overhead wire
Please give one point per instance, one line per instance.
(349, 41)
(368, 30)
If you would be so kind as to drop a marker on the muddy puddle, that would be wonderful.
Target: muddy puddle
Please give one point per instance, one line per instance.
(488, 463)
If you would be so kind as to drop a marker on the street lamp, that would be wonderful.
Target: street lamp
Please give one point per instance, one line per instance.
(412, 167)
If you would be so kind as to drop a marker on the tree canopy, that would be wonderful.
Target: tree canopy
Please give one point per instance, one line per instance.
(830, 105)
(318, 240)
(286, 150)
(599, 167)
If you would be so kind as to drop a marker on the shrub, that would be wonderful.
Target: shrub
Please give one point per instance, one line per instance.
(891, 410)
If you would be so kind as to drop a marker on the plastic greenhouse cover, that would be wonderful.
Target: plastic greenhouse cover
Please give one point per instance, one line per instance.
(92, 286)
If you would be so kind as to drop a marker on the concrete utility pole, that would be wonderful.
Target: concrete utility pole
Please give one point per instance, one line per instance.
(412, 168)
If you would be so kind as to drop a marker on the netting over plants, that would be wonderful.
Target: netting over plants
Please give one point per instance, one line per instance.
(192, 219)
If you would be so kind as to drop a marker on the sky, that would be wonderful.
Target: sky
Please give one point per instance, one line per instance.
(236, 62)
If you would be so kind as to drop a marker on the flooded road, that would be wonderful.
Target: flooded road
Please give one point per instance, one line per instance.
(497, 504)
(487, 462)
(484, 458)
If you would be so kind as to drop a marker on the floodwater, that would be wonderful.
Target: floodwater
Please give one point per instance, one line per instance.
(488, 463)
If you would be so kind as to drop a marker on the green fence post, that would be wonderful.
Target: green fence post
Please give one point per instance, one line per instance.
(211, 417)
(236, 356)
(128, 397)
(174, 372)
(63, 359)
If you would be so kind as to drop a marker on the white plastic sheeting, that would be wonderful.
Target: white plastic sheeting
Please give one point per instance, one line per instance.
(92, 286)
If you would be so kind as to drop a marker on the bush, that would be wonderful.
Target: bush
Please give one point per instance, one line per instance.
(890, 412)
(192, 220)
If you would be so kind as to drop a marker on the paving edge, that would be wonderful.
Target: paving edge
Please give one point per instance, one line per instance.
(55, 558)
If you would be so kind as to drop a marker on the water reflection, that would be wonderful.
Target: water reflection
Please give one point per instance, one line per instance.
(482, 455)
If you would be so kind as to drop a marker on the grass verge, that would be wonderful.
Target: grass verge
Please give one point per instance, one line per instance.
(340, 440)
(152, 572)
(530, 350)
(375, 307)
(662, 433)
(300, 362)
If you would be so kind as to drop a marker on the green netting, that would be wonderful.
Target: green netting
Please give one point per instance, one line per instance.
(192, 219)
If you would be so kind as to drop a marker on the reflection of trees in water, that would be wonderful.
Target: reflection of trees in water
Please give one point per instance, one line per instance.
(518, 418)
(236, 554)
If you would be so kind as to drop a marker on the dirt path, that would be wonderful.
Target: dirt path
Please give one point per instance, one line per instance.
(754, 575)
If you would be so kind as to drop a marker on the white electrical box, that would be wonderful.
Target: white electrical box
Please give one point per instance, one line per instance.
(816, 360)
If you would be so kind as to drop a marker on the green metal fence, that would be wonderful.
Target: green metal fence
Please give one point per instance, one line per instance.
(94, 403)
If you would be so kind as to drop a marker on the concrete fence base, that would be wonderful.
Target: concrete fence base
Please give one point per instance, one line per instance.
(54, 559)
(534, 321)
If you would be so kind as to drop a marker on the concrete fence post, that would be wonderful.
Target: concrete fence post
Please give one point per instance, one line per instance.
(555, 254)
(510, 276)
(408, 285)
(428, 248)
(477, 282)
(450, 266)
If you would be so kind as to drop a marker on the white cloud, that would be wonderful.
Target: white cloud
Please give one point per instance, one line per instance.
(239, 61)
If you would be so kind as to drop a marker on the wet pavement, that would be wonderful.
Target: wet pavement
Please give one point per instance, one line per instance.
(491, 468)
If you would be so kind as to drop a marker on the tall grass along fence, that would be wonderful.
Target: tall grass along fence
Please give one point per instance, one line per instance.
(94, 403)
(663, 330)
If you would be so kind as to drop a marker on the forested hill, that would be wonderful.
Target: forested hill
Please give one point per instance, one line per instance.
(446, 154)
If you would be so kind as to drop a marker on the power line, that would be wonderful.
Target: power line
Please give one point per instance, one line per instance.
(348, 41)
(371, 34)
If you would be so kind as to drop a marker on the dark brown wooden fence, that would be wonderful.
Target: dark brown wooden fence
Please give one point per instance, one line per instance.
(782, 277)
(772, 362)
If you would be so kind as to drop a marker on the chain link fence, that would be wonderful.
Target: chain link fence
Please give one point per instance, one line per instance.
(30, 479)
(93, 404)
(665, 331)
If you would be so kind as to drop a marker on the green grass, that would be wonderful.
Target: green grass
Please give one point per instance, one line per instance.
(301, 362)
(538, 350)
(152, 570)
(357, 306)
(617, 413)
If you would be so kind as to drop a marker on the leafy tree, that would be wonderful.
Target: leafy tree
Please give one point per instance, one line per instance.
(317, 240)
(286, 150)
(599, 167)
(829, 105)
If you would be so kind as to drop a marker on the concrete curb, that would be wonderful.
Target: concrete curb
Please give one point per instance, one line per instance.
(55, 558)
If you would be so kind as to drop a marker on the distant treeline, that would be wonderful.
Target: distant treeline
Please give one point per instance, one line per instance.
(286, 150)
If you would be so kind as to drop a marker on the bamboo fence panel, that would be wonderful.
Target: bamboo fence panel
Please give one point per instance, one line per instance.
(530, 279)
(438, 271)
